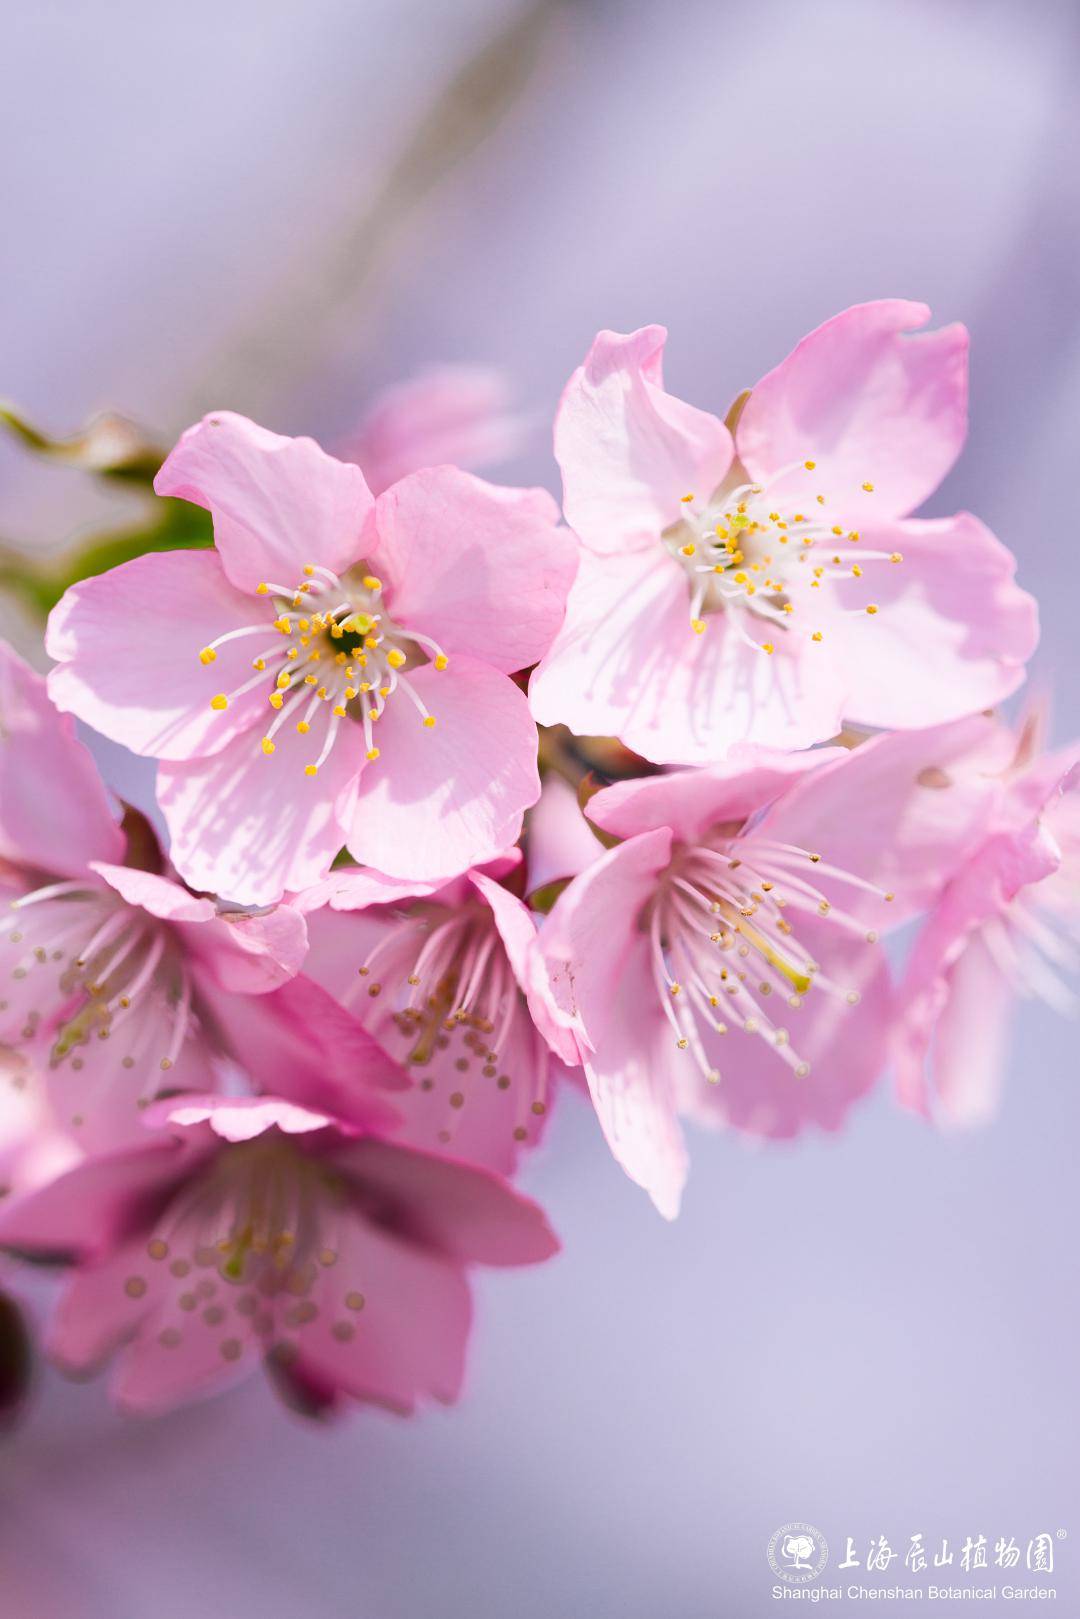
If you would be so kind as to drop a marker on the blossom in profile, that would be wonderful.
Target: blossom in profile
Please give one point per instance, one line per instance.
(336, 671)
(116, 981)
(1006, 925)
(761, 580)
(450, 981)
(457, 415)
(719, 969)
(253, 1232)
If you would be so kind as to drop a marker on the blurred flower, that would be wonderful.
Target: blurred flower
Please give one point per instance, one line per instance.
(767, 586)
(448, 415)
(1007, 924)
(253, 1231)
(471, 586)
(449, 980)
(674, 947)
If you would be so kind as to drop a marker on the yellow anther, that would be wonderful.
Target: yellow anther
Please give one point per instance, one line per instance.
(869, 488)
(371, 640)
(339, 711)
(304, 623)
(429, 721)
(371, 583)
(373, 753)
(283, 679)
(220, 701)
(292, 653)
(350, 693)
(698, 626)
(686, 499)
(336, 631)
(687, 550)
(384, 691)
(854, 536)
(871, 607)
(311, 770)
(311, 680)
(308, 569)
(207, 655)
(441, 661)
(896, 557)
(856, 570)
(323, 693)
(267, 746)
(788, 607)
(816, 636)
(303, 727)
(820, 499)
(395, 658)
(276, 699)
(261, 590)
(741, 578)
(258, 663)
(809, 465)
(767, 646)
(283, 626)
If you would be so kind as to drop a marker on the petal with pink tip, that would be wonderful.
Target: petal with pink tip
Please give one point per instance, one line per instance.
(629, 452)
(440, 800)
(482, 570)
(158, 896)
(249, 955)
(129, 643)
(248, 826)
(94, 1205)
(870, 399)
(278, 504)
(54, 811)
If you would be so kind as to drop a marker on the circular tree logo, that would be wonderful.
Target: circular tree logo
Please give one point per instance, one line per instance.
(797, 1553)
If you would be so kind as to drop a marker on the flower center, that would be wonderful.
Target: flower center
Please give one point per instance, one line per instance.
(267, 1228)
(754, 555)
(338, 656)
(722, 947)
(95, 972)
(454, 1005)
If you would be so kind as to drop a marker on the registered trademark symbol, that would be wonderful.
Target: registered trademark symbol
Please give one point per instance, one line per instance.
(1063, 1534)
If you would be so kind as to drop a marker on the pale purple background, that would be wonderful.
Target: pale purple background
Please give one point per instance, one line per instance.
(877, 1333)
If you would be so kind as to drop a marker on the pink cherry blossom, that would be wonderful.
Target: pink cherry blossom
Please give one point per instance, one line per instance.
(120, 980)
(451, 983)
(715, 968)
(763, 582)
(1006, 924)
(261, 673)
(449, 414)
(255, 1231)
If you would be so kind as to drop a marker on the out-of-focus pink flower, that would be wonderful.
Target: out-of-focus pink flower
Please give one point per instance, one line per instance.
(455, 415)
(715, 967)
(399, 618)
(766, 586)
(254, 1230)
(117, 979)
(449, 981)
(1007, 924)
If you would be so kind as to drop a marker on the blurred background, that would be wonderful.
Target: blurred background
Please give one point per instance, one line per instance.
(280, 208)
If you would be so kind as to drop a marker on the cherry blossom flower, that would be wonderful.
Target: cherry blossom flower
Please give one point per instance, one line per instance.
(450, 982)
(762, 581)
(1006, 924)
(715, 967)
(335, 672)
(448, 414)
(122, 981)
(256, 1231)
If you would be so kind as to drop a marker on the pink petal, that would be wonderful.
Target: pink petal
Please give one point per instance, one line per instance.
(591, 931)
(128, 644)
(351, 888)
(441, 800)
(627, 663)
(517, 929)
(870, 403)
(158, 896)
(54, 811)
(482, 570)
(560, 841)
(456, 414)
(279, 504)
(248, 826)
(242, 1118)
(249, 955)
(629, 451)
(467, 1214)
(954, 598)
(631, 1083)
(691, 802)
(91, 1207)
(971, 1039)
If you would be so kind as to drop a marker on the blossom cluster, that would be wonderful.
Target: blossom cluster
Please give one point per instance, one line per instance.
(463, 800)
